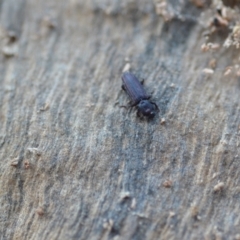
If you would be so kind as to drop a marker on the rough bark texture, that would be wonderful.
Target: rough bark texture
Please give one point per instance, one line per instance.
(86, 168)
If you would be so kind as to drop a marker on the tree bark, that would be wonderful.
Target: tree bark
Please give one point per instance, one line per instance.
(74, 164)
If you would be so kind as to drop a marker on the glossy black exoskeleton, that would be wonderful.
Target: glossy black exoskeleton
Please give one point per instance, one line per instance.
(138, 95)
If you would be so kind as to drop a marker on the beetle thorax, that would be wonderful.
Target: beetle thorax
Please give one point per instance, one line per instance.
(146, 108)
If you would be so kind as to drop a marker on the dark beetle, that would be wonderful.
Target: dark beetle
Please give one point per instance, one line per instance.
(138, 95)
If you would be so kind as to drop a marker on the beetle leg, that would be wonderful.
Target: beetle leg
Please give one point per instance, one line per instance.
(131, 108)
(148, 97)
(156, 106)
(119, 93)
(122, 106)
(132, 104)
(128, 106)
(139, 115)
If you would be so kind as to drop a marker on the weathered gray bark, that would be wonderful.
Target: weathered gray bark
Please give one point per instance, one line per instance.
(87, 169)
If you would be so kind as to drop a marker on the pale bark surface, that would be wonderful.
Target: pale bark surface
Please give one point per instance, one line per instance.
(87, 169)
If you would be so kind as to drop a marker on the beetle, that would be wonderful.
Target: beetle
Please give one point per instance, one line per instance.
(138, 96)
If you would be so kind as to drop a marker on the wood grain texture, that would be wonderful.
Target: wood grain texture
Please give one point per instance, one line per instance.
(87, 169)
